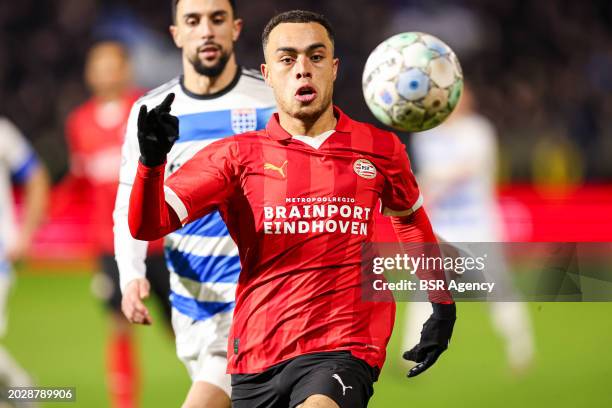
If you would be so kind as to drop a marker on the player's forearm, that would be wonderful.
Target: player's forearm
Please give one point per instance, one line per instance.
(36, 201)
(416, 228)
(131, 265)
(149, 216)
(130, 253)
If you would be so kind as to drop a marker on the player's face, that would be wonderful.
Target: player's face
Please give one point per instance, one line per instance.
(107, 71)
(301, 68)
(206, 31)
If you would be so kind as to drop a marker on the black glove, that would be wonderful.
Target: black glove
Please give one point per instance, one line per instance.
(435, 336)
(157, 132)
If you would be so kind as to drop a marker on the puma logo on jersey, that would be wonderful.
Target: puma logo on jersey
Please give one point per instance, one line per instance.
(344, 388)
(281, 169)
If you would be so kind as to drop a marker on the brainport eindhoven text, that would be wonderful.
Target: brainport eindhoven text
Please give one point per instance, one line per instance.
(319, 214)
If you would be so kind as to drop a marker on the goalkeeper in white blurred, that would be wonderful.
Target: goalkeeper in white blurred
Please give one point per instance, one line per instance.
(18, 165)
(456, 166)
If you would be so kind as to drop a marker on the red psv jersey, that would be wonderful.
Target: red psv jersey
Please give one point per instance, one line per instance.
(95, 155)
(299, 216)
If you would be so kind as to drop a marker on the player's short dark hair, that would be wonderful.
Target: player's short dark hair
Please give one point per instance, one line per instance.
(174, 3)
(296, 16)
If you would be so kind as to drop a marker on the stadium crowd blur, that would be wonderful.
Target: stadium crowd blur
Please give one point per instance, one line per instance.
(541, 70)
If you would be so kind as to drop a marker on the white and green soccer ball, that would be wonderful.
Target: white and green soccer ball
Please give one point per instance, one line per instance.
(412, 81)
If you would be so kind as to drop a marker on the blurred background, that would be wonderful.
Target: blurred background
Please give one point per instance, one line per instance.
(540, 72)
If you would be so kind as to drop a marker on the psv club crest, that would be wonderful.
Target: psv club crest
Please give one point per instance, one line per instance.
(364, 168)
(244, 120)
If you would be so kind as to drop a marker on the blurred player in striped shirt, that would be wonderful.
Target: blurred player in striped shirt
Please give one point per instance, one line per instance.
(215, 98)
(18, 165)
(298, 199)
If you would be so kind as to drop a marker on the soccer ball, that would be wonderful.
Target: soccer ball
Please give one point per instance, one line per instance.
(412, 81)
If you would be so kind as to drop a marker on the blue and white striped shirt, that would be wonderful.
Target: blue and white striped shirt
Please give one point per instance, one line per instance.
(202, 258)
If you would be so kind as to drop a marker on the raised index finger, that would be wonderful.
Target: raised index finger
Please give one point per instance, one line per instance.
(142, 117)
(166, 103)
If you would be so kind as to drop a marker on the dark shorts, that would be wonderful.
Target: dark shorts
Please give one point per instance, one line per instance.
(157, 274)
(340, 376)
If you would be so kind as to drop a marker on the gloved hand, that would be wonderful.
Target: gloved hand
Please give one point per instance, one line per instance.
(435, 336)
(157, 132)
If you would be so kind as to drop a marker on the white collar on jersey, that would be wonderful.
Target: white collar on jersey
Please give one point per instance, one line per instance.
(315, 141)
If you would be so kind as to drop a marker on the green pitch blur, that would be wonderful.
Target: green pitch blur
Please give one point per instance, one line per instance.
(57, 331)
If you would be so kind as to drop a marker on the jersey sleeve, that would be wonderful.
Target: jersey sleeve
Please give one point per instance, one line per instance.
(130, 253)
(415, 229)
(204, 182)
(400, 195)
(16, 152)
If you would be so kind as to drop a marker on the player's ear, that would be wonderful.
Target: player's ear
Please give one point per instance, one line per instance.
(237, 28)
(265, 73)
(336, 63)
(176, 36)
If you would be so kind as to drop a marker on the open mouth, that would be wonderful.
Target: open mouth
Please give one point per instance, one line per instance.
(306, 93)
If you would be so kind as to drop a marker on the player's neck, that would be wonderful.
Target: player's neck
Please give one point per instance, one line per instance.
(109, 96)
(204, 85)
(295, 126)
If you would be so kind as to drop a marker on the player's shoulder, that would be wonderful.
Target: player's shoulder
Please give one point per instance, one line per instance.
(384, 141)
(252, 74)
(254, 136)
(476, 129)
(246, 141)
(157, 94)
(377, 132)
(239, 147)
(5, 123)
(8, 128)
(253, 85)
(5, 129)
(480, 122)
(11, 140)
(82, 111)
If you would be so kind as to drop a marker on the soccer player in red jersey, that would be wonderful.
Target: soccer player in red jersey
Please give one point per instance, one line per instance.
(94, 132)
(298, 199)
